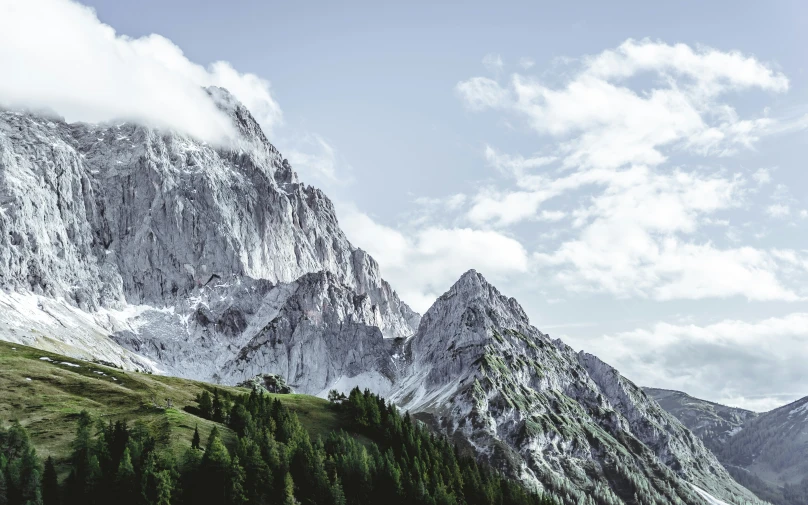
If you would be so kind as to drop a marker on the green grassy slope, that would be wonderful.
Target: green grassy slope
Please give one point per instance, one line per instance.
(47, 395)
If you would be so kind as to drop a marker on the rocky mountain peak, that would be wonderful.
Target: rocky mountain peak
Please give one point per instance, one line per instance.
(475, 302)
(244, 121)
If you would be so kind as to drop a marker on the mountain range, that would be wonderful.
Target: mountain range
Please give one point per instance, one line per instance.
(150, 250)
(766, 452)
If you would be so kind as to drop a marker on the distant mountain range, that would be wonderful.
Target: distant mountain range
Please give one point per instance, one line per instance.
(149, 250)
(767, 453)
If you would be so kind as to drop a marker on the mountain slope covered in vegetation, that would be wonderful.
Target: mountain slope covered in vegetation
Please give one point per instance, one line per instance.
(138, 439)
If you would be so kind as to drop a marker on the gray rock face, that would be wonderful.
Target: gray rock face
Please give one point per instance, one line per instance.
(323, 335)
(562, 420)
(107, 217)
(109, 214)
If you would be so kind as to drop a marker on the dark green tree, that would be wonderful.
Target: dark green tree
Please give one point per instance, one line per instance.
(23, 470)
(214, 471)
(3, 484)
(205, 405)
(196, 440)
(217, 407)
(289, 491)
(164, 488)
(237, 494)
(126, 480)
(50, 484)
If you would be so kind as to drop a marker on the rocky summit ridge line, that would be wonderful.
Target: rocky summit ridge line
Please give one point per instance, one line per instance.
(119, 226)
(149, 249)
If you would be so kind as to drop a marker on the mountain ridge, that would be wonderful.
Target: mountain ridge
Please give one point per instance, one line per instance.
(766, 452)
(565, 420)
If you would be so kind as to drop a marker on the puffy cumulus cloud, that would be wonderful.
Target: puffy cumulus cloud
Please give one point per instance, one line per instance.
(607, 123)
(424, 263)
(634, 239)
(58, 56)
(614, 125)
(778, 210)
(757, 365)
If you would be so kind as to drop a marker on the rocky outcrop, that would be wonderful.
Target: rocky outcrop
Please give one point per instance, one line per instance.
(324, 336)
(267, 383)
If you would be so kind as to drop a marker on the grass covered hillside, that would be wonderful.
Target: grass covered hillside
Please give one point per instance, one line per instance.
(75, 432)
(46, 392)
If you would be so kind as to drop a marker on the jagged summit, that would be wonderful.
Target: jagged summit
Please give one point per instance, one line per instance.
(466, 298)
(242, 118)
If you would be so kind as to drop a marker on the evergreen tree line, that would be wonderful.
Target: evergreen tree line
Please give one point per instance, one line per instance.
(272, 462)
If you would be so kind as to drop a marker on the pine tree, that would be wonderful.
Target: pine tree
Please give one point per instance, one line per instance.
(217, 408)
(165, 486)
(237, 479)
(23, 471)
(205, 405)
(3, 484)
(50, 484)
(214, 470)
(125, 479)
(196, 440)
(337, 494)
(289, 490)
(214, 433)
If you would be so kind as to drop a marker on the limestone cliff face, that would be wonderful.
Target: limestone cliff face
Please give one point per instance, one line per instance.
(115, 215)
(105, 215)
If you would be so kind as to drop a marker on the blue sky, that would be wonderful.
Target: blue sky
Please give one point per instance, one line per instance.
(633, 173)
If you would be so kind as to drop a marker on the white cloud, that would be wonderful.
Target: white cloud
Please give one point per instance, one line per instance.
(722, 362)
(424, 263)
(493, 62)
(778, 210)
(517, 166)
(317, 161)
(713, 70)
(480, 93)
(804, 214)
(629, 243)
(526, 62)
(762, 176)
(57, 55)
(614, 125)
(607, 124)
